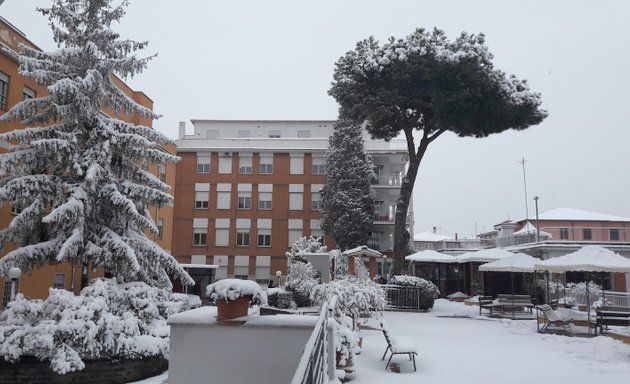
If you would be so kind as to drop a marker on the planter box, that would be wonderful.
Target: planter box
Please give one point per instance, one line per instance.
(31, 370)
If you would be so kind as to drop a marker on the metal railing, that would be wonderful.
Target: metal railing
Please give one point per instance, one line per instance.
(313, 366)
(400, 297)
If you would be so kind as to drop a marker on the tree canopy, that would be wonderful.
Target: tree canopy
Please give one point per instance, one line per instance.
(347, 196)
(74, 167)
(427, 83)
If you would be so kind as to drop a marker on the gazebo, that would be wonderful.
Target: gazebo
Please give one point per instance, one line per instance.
(437, 262)
(472, 260)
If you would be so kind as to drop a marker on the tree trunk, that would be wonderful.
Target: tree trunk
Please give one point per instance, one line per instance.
(401, 235)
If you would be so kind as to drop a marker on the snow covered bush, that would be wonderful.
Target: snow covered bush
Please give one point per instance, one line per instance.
(279, 298)
(423, 298)
(106, 321)
(346, 341)
(302, 276)
(354, 296)
(232, 289)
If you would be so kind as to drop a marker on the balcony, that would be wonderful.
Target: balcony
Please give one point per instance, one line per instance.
(563, 234)
(387, 180)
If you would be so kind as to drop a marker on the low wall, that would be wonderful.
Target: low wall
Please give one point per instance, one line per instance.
(30, 370)
(261, 349)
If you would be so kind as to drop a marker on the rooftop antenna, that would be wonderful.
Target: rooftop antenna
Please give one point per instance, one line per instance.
(525, 185)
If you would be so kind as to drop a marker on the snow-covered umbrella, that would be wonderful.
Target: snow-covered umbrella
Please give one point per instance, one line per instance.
(430, 256)
(484, 256)
(590, 258)
(517, 262)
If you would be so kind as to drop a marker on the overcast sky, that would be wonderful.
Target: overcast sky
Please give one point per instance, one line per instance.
(275, 59)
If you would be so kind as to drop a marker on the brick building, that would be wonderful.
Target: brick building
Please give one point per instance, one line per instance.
(247, 190)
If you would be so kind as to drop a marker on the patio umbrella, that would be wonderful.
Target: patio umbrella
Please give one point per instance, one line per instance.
(591, 258)
(517, 262)
(484, 256)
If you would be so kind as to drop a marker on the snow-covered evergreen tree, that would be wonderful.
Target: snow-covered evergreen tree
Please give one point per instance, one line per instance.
(347, 196)
(74, 167)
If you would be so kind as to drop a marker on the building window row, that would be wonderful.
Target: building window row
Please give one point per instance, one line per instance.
(243, 232)
(265, 167)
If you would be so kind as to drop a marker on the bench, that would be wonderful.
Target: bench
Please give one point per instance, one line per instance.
(515, 303)
(398, 346)
(610, 315)
(506, 303)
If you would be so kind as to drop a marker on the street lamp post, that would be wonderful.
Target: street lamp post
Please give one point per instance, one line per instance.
(14, 275)
(537, 227)
(278, 276)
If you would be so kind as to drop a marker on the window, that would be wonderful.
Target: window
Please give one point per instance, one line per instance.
(200, 236)
(6, 296)
(244, 200)
(224, 195)
(222, 232)
(245, 164)
(564, 233)
(378, 171)
(212, 134)
(242, 239)
(319, 166)
(59, 280)
(274, 134)
(202, 194)
(159, 223)
(266, 165)
(265, 200)
(16, 208)
(316, 201)
(4, 89)
(28, 93)
(587, 234)
(264, 240)
(225, 163)
(303, 134)
(296, 197)
(145, 165)
(162, 172)
(241, 277)
(297, 164)
(378, 208)
(614, 234)
(203, 164)
(201, 200)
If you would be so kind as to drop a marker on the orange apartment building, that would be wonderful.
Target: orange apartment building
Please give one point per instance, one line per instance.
(247, 190)
(13, 89)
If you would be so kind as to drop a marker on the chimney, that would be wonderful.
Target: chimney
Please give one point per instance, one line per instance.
(182, 129)
(434, 230)
(455, 236)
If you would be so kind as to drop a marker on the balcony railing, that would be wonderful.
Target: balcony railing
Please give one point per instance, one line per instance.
(392, 179)
(578, 234)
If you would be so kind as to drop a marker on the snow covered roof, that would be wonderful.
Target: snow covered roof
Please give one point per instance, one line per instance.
(518, 262)
(430, 256)
(529, 228)
(576, 214)
(591, 258)
(362, 250)
(485, 255)
(430, 237)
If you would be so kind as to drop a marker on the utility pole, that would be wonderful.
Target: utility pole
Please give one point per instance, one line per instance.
(537, 227)
(525, 185)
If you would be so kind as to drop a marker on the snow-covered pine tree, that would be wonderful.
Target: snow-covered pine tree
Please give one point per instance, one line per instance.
(74, 167)
(347, 196)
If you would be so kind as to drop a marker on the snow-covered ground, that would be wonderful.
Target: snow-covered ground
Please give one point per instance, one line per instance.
(456, 345)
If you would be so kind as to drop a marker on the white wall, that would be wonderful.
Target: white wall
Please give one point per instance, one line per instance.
(265, 349)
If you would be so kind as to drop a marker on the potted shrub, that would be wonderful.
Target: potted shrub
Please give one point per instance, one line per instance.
(234, 296)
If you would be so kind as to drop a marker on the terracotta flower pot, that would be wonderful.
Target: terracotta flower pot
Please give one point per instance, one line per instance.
(232, 309)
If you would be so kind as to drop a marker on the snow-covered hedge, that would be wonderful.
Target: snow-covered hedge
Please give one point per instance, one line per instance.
(232, 289)
(427, 294)
(107, 320)
(280, 298)
(301, 280)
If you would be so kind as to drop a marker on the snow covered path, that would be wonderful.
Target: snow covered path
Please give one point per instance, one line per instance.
(478, 349)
